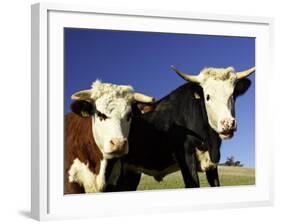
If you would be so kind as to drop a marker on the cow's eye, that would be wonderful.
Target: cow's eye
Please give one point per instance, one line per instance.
(101, 116)
(207, 97)
(129, 116)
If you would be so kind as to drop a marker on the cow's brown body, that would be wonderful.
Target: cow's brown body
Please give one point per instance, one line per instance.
(79, 143)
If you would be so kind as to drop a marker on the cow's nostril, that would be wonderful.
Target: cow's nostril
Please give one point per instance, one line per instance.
(125, 142)
(233, 124)
(118, 145)
(223, 123)
(112, 142)
(228, 124)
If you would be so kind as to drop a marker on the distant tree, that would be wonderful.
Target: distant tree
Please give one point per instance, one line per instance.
(230, 161)
(238, 163)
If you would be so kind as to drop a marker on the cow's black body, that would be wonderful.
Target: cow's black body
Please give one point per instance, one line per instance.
(169, 135)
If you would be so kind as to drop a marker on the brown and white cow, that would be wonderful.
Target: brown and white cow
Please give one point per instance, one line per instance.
(96, 134)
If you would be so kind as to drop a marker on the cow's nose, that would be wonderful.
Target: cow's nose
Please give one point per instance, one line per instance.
(228, 124)
(118, 145)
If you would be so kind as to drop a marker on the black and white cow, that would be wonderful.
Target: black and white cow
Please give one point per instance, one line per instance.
(185, 128)
(96, 136)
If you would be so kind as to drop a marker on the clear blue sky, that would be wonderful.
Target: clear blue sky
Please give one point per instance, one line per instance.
(143, 60)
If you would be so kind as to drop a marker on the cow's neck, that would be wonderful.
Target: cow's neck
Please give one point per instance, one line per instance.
(183, 111)
(180, 108)
(100, 178)
(90, 152)
(89, 168)
(112, 171)
(109, 173)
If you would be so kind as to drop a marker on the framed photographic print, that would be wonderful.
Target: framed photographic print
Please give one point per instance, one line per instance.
(148, 111)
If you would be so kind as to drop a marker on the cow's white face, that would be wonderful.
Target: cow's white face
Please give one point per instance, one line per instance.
(219, 86)
(111, 124)
(110, 109)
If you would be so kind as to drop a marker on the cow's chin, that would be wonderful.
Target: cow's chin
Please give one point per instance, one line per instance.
(226, 135)
(113, 155)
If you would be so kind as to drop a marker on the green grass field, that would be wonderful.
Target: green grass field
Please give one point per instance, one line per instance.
(229, 176)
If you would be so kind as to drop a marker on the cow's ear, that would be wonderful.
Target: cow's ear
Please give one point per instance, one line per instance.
(196, 96)
(82, 108)
(142, 108)
(197, 92)
(241, 87)
(145, 107)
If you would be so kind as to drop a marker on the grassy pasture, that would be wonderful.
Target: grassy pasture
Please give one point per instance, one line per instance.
(229, 176)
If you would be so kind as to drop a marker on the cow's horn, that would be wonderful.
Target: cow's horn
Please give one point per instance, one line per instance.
(190, 78)
(143, 98)
(244, 74)
(82, 95)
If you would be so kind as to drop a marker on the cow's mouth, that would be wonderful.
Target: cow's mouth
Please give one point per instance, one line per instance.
(226, 134)
(116, 154)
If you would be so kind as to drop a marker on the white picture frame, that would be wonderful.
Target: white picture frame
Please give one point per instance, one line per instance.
(48, 201)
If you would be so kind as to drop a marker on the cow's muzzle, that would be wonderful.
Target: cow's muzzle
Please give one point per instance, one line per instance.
(117, 147)
(227, 126)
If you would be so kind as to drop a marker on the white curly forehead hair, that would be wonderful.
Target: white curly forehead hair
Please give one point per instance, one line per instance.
(217, 74)
(108, 97)
(100, 89)
(112, 99)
